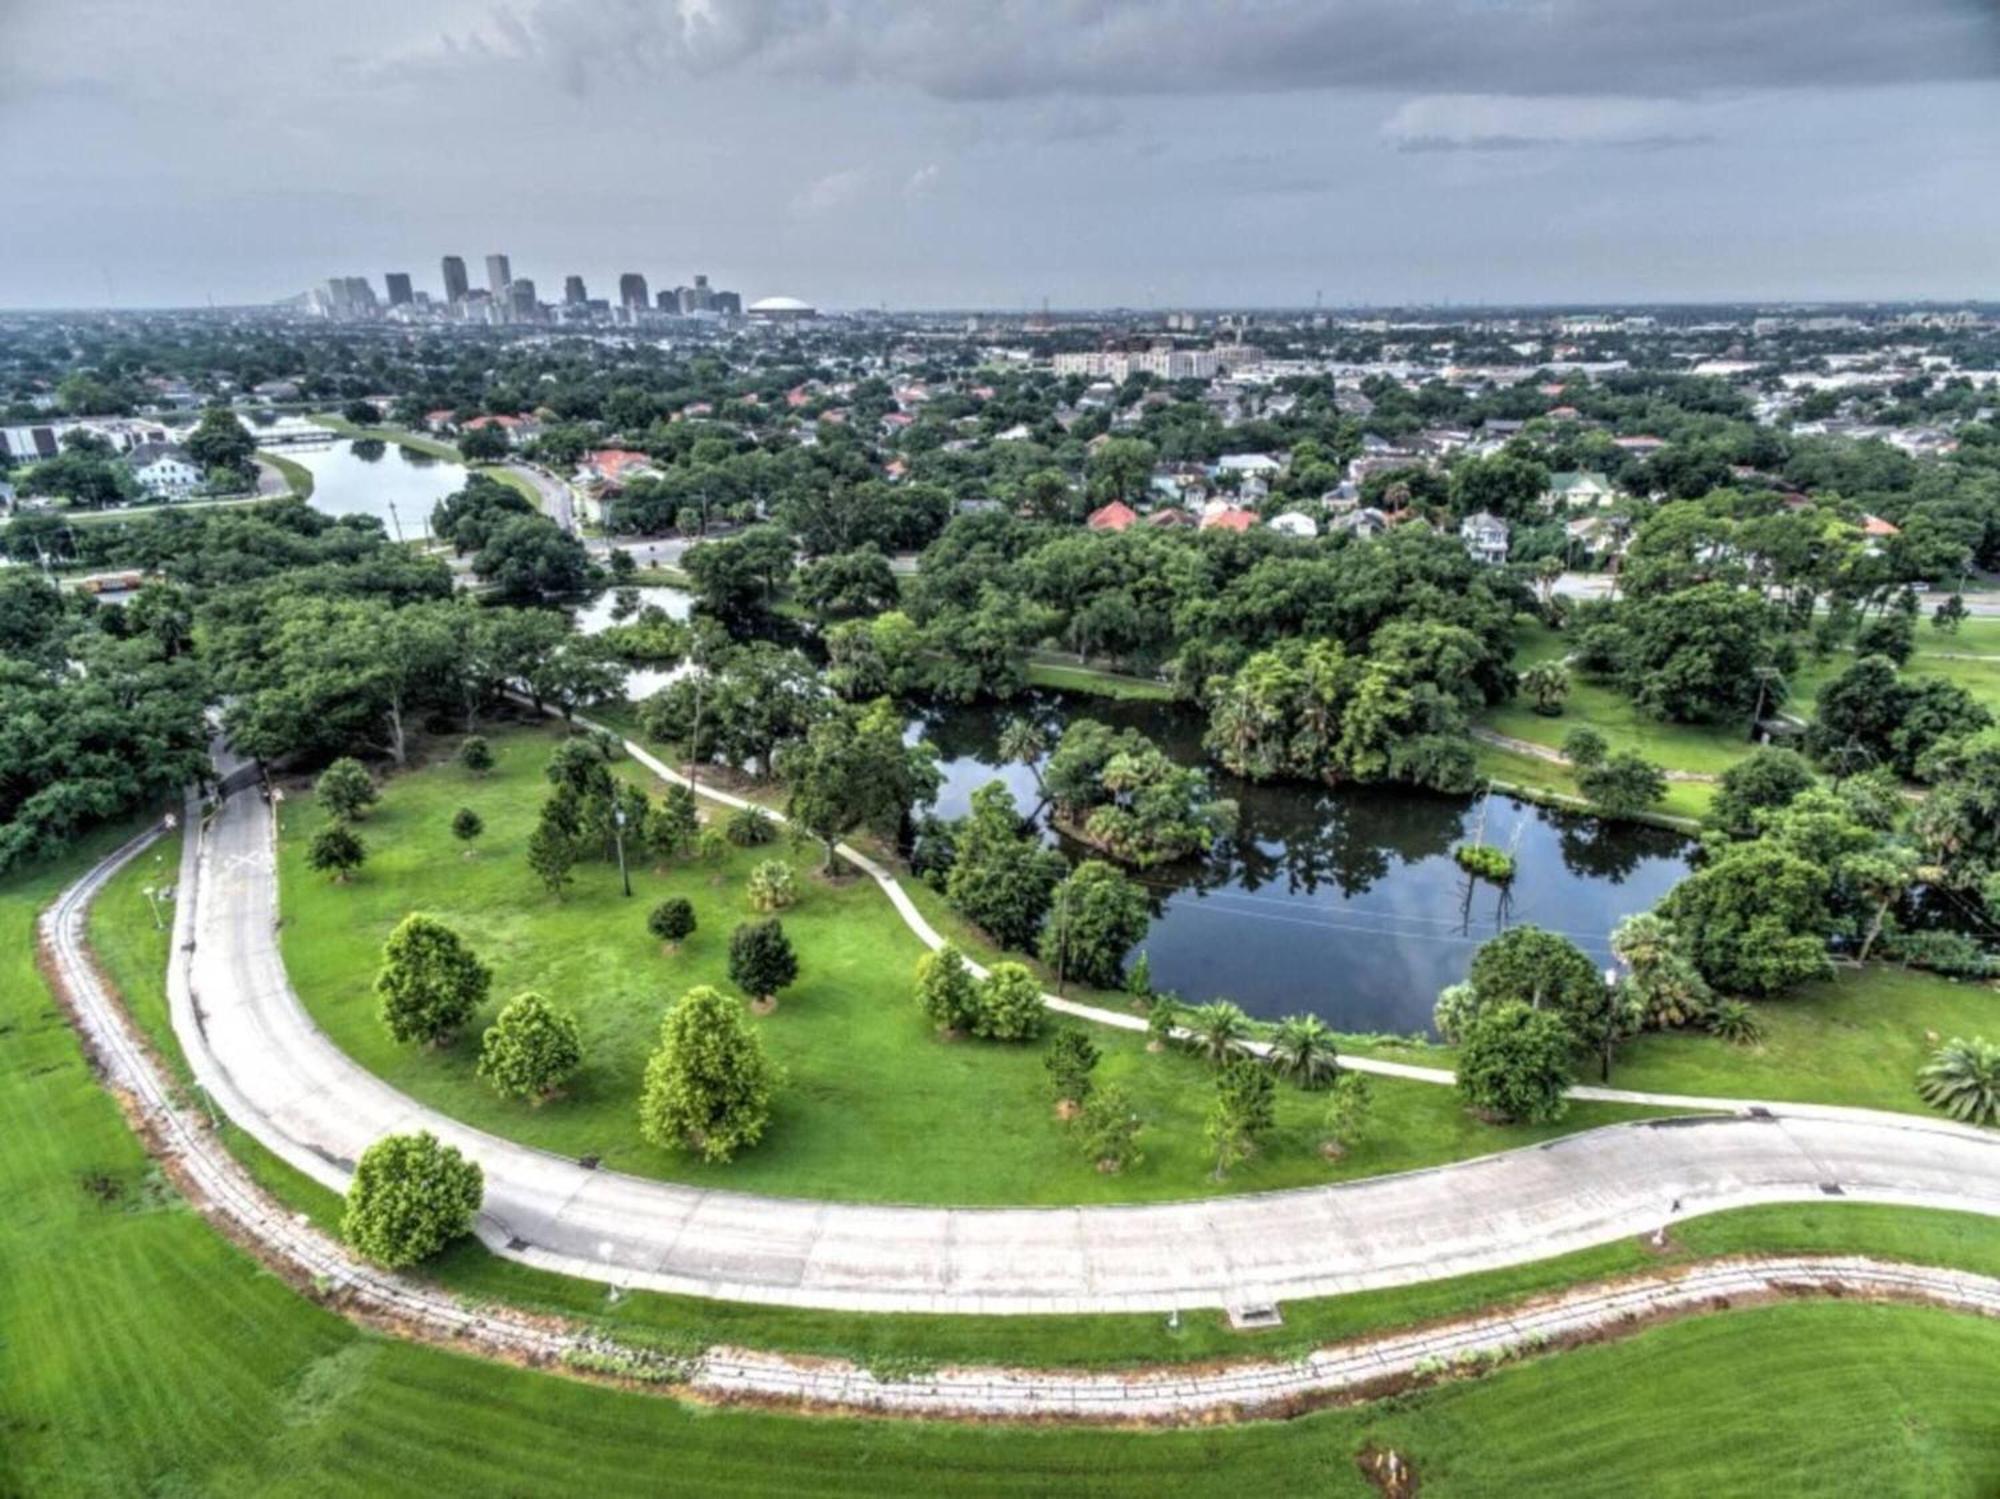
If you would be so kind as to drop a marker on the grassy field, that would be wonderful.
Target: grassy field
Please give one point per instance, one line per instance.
(1970, 658)
(1064, 676)
(134, 953)
(875, 1109)
(1701, 748)
(1854, 1039)
(145, 1355)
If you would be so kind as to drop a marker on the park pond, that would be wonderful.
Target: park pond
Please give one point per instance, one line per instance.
(397, 485)
(1341, 901)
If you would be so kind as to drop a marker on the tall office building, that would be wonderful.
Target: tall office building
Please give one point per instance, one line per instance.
(398, 283)
(498, 274)
(455, 284)
(521, 300)
(573, 292)
(632, 291)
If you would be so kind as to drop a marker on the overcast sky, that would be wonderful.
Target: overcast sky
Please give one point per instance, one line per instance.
(997, 152)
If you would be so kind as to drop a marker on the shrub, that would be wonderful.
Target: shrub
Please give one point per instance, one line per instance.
(761, 960)
(531, 1049)
(1070, 1060)
(1243, 1113)
(1303, 1052)
(750, 827)
(467, 825)
(1347, 1108)
(410, 1196)
(475, 754)
(345, 789)
(1484, 861)
(1735, 1022)
(672, 920)
(1584, 747)
(1963, 1079)
(1009, 1006)
(772, 887)
(1457, 1007)
(336, 849)
(708, 1085)
(1514, 1063)
(1217, 1031)
(1108, 1129)
(947, 990)
(711, 847)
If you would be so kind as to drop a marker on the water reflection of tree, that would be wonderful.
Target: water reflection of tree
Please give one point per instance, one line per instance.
(1599, 848)
(369, 449)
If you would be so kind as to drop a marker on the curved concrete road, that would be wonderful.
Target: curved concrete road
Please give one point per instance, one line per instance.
(259, 1055)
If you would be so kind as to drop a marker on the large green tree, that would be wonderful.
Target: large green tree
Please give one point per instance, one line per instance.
(430, 981)
(531, 1049)
(708, 1085)
(1095, 918)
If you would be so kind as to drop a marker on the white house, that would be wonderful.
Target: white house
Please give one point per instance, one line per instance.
(1250, 465)
(1485, 536)
(1293, 523)
(1585, 489)
(164, 471)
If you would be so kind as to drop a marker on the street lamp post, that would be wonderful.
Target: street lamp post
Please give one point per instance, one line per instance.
(618, 823)
(1610, 1019)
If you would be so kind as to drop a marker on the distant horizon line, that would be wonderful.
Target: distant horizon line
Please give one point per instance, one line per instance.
(1130, 309)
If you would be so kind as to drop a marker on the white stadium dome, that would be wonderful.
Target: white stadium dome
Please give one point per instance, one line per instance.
(780, 307)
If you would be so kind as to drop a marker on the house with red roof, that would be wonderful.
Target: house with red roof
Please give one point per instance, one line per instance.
(1116, 516)
(1229, 518)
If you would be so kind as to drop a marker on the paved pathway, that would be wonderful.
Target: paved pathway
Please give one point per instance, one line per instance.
(411, 1307)
(269, 1068)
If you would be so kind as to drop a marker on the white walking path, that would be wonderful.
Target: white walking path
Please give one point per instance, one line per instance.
(293, 1246)
(268, 1067)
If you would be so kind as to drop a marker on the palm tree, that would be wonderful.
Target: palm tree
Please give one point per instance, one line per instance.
(1547, 682)
(1303, 1052)
(1218, 1031)
(1963, 1079)
(1025, 742)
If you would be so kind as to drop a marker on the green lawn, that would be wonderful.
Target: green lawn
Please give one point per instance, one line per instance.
(1855, 1039)
(1970, 658)
(1064, 677)
(134, 954)
(145, 1355)
(875, 1108)
(1702, 748)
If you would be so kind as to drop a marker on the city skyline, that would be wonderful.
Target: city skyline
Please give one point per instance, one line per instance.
(1184, 153)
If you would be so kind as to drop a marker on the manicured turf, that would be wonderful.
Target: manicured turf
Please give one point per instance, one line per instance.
(1705, 748)
(134, 955)
(1858, 1038)
(1970, 658)
(145, 1355)
(1063, 677)
(875, 1109)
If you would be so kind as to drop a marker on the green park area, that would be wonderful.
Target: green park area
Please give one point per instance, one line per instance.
(146, 1354)
(875, 1107)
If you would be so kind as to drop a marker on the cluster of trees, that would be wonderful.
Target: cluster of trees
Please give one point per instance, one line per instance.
(101, 710)
(1119, 792)
(1000, 876)
(1316, 711)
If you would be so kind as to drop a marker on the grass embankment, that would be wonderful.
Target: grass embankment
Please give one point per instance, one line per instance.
(296, 474)
(147, 1355)
(875, 1109)
(1068, 676)
(434, 447)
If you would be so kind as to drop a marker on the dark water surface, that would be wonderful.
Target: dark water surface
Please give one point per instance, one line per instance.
(1345, 902)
